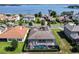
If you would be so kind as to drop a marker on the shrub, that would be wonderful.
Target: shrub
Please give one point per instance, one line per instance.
(14, 44)
(30, 24)
(9, 48)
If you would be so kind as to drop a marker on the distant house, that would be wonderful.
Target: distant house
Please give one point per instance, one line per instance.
(42, 18)
(9, 18)
(51, 19)
(17, 17)
(40, 38)
(76, 17)
(3, 17)
(18, 32)
(3, 28)
(48, 18)
(13, 17)
(72, 32)
(64, 18)
(29, 17)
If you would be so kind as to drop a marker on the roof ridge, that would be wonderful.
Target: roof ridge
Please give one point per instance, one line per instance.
(38, 32)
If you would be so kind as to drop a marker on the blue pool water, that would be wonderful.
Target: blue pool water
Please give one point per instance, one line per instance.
(32, 9)
(40, 47)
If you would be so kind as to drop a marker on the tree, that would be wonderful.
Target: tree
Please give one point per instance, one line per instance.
(76, 22)
(38, 20)
(68, 13)
(53, 13)
(40, 14)
(36, 15)
(49, 11)
(42, 22)
(21, 21)
(30, 23)
(20, 15)
(14, 43)
(77, 46)
(48, 23)
(8, 14)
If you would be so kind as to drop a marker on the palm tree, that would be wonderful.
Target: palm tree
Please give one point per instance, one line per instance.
(40, 14)
(52, 13)
(49, 11)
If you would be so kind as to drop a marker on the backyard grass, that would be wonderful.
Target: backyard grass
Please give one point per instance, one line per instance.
(62, 42)
(3, 45)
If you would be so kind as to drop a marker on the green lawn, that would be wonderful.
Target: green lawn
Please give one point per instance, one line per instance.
(57, 23)
(3, 45)
(62, 42)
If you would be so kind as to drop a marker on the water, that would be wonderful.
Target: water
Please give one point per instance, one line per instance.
(32, 9)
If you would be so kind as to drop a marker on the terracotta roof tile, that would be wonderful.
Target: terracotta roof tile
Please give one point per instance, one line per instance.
(15, 32)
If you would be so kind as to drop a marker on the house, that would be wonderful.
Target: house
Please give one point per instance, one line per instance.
(29, 17)
(13, 17)
(11, 24)
(72, 32)
(64, 18)
(3, 28)
(76, 16)
(42, 18)
(9, 18)
(40, 38)
(3, 17)
(18, 32)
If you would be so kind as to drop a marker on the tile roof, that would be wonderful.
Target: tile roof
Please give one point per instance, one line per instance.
(72, 27)
(40, 34)
(28, 15)
(15, 32)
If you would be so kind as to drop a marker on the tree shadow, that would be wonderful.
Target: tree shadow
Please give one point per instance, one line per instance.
(63, 36)
(71, 42)
(9, 48)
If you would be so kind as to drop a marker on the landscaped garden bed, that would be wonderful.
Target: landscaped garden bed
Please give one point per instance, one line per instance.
(3, 45)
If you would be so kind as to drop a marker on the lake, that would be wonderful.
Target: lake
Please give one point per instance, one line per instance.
(32, 9)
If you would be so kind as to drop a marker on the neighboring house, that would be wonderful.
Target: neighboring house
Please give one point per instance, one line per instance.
(10, 18)
(3, 28)
(29, 17)
(52, 19)
(42, 18)
(13, 17)
(18, 32)
(11, 24)
(72, 32)
(40, 38)
(48, 18)
(3, 17)
(64, 18)
(17, 17)
(45, 17)
(76, 17)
